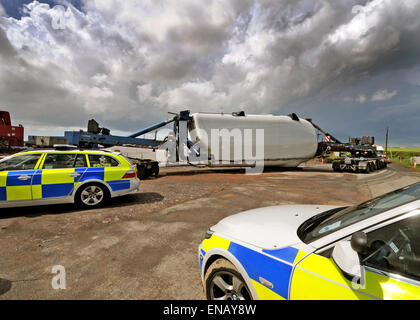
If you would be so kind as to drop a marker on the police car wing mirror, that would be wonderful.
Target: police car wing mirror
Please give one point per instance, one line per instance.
(347, 259)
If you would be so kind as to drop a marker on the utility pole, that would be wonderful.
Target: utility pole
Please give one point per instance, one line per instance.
(386, 142)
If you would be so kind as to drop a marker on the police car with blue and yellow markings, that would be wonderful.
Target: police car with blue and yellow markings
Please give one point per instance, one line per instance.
(87, 178)
(367, 251)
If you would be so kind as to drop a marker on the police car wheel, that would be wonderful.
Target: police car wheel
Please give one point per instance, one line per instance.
(223, 282)
(91, 195)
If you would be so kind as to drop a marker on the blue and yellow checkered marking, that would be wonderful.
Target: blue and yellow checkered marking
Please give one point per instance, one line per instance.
(94, 174)
(13, 178)
(55, 183)
(259, 265)
(14, 189)
(3, 194)
(287, 254)
(265, 264)
(111, 175)
(3, 179)
(119, 185)
(57, 190)
(203, 253)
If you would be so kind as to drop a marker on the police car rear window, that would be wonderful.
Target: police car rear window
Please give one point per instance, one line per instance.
(99, 160)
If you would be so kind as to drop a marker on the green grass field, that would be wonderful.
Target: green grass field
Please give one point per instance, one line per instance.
(402, 156)
(405, 150)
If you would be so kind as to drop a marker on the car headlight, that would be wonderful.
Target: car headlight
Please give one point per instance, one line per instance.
(208, 235)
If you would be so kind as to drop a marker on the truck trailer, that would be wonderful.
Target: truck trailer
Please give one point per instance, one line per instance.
(359, 156)
(287, 142)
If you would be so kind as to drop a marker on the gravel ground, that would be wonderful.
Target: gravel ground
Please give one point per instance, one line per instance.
(144, 246)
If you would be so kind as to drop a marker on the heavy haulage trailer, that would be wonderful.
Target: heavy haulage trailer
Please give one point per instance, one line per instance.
(360, 158)
(360, 154)
(288, 141)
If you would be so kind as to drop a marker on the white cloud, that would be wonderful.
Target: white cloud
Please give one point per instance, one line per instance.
(189, 94)
(359, 99)
(379, 95)
(383, 95)
(144, 92)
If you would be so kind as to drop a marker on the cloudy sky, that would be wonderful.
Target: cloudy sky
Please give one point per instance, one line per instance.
(351, 65)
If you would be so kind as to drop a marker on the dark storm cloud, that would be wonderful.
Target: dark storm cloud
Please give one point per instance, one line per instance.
(129, 62)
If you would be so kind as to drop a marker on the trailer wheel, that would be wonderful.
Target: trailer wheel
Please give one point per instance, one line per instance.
(141, 171)
(336, 167)
(366, 170)
(155, 169)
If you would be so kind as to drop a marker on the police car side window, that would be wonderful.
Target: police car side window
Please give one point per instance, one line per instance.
(99, 160)
(22, 162)
(396, 248)
(80, 161)
(59, 161)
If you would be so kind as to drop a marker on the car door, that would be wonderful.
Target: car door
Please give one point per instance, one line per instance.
(392, 261)
(317, 277)
(108, 169)
(59, 175)
(391, 267)
(16, 174)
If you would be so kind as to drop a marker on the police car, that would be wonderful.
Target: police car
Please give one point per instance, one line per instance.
(65, 175)
(367, 251)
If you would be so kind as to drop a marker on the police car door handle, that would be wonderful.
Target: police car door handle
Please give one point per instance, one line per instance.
(24, 177)
(74, 175)
(266, 282)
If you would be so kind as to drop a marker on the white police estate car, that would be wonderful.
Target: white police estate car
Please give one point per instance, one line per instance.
(87, 178)
(368, 251)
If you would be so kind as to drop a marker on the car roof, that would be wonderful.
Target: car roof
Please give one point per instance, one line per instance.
(69, 151)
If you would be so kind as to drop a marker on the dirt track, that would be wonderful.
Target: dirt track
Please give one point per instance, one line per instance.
(144, 246)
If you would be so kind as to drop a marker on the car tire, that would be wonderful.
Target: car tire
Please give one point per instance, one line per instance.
(91, 195)
(222, 281)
